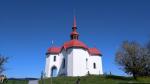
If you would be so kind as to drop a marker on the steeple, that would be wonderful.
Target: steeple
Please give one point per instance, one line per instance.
(74, 33)
(74, 22)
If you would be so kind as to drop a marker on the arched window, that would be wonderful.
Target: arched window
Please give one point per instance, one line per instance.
(94, 65)
(54, 58)
(86, 63)
(63, 63)
(53, 71)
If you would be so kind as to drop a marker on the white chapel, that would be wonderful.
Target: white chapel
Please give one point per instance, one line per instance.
(73, 58)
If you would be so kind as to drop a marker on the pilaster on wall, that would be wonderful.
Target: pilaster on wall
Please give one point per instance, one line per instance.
(70, 62)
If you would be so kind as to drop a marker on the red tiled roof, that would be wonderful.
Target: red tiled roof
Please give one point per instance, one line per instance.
(54, 50)
(94, 51)
(74, 43)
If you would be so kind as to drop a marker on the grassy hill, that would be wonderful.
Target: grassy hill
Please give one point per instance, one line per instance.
(95, 80)
(17, 82)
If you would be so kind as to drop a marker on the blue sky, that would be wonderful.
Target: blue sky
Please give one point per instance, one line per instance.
(28, 26)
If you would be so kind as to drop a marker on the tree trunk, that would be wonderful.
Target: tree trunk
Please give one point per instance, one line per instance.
(134, 76)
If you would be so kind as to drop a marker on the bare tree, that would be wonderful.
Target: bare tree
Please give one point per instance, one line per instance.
(3, 60)
(131, 58)
(147, 65)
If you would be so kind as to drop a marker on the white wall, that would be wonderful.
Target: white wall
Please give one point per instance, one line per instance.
(97, 60)
(76, 64)
(101, 65)
(79, 62)
(47, 66)
(50, 63)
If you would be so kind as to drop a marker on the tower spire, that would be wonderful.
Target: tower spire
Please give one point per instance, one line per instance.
(74, 33)
(74, 22)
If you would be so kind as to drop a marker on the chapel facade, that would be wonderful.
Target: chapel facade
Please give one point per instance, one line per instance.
(73, 58)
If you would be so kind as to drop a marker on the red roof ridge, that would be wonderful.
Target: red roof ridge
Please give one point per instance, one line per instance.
(54, 50)
(73, 43)
(94, 51)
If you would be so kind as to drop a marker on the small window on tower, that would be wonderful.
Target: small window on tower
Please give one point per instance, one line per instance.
(74, 37)
(54, 58)
(94, 65)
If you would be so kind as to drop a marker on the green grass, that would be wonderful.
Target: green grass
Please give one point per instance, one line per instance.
(17, 82)
(95, 80)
